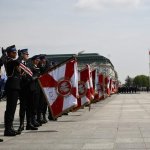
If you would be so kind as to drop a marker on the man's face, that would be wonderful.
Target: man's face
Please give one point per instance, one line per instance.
(43, 61)
(12, 54)
(25, 56)
(36, 61)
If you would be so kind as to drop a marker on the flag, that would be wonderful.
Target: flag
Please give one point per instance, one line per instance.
(84, 88)
(91, 83)
(107, 85)
(110, 85)
(96, 85)
(94, 79)
(60, 87)
(100, 86)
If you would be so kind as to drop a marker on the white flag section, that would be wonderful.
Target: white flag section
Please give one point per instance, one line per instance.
(60, 87)
(96, 85)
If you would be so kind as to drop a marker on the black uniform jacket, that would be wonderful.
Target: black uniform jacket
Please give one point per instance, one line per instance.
(13, 74)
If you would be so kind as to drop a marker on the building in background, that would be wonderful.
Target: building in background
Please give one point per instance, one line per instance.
(95, 60)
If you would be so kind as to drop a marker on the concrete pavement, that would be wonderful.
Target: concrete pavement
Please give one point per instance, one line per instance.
(121, 122)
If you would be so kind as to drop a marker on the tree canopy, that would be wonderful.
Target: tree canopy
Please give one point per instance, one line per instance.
(139, 81)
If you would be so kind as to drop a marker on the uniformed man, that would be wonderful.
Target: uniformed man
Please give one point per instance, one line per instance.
(25, 94)
(35, 89)
(44, 66)
(12, 88)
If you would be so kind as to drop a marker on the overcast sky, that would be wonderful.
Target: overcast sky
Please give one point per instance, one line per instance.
(117, 29)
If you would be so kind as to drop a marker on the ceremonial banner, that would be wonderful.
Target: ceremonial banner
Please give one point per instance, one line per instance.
(110, 85)
(100, 86)
(107, 85)
(96, 85)
(114, 86)
(91, 84)
(60, 87)
(95, 80)
(84, 88)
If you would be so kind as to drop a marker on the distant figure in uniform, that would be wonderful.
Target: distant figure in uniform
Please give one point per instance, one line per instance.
(12, 89)
(147, 88)
(25, 94)
(35, 89)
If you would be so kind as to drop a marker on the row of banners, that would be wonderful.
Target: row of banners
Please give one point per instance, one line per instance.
(67, 89)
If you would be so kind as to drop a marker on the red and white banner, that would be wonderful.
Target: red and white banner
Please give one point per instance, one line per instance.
(84, 87)
(96, 85)
(114, 86)
(60, 87)
(110, 85)
(101, 86)
(95, 80)
(107, 85)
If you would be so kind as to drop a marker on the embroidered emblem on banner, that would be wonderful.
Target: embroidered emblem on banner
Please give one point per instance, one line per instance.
(64, 88)
(81, 89)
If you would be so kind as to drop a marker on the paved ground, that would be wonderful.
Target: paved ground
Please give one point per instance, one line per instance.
(121, 122)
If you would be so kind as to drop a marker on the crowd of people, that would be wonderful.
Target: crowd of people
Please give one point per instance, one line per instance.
(22, 84)
(126, 89)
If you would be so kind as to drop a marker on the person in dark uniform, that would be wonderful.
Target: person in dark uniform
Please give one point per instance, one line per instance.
(12, 88)
(44, 66)
(35, 89)
(25, 94)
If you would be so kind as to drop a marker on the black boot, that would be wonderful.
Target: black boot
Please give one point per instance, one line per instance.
(1, 140)
(39, 119)
(16, 131)
(31, 127)
(34, 122)
(21, 127)
(66, 113)
(51, 118)
(44, 119)
(9, 131)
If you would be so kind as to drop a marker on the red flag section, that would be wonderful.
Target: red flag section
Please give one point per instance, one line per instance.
(60, 87)
(67, 89)
(85, 94)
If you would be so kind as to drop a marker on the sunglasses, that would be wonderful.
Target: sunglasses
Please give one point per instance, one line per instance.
(26, 54)
(14, 52)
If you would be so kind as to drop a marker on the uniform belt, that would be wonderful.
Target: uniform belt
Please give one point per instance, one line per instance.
(15, 77)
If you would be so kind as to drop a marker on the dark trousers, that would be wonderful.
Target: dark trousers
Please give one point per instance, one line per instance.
(25, 105)
(11, 103)
(35, 102)
(43, 104)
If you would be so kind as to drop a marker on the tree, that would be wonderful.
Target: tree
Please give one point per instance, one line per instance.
(141, 81)
(128, 81)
